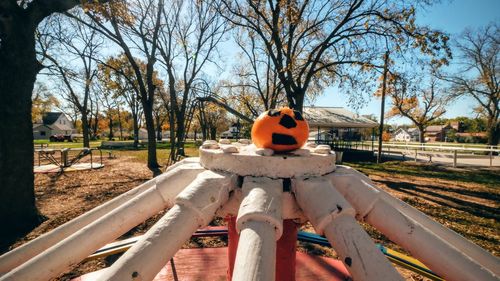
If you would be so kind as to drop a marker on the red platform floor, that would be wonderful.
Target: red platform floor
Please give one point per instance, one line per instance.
(210, 264)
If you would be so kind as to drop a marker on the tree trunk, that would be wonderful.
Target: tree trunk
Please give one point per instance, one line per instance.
(180, 136)
(85, 128)
(120, 127)
(296, 100)
(158, 129)
(493, 132)
(150, 127)
(213, 133)
(136, 129)
(18, 70)
(173, 150)
(95, 128)
(110, 137)
(421, 132)
(159, 136)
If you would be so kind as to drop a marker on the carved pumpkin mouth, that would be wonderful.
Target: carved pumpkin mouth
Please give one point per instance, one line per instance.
(282, 139)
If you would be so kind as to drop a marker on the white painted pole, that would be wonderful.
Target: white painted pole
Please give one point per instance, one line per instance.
(444, 259)
(176, 179)
(362, 193)
(195, 207)
(84, 242)
(332, 215)
(256, 254)
(260, 224)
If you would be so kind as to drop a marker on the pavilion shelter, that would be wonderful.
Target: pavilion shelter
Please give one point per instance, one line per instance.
(338, 126)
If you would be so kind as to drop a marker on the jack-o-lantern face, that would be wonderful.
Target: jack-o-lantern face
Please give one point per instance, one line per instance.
(280, 130)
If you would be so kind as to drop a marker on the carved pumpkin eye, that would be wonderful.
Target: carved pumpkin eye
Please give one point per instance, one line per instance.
(280, 130)
(287, 122)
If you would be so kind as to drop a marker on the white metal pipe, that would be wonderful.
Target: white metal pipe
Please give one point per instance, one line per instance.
(436, 253)
(356, 187)
(189, 160)
(332, 215)
(256, 255)
(260, 224)
(21, 254)
(79, 245)
(195, 207)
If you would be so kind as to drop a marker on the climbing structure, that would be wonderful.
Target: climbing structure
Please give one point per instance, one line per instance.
(261, 190)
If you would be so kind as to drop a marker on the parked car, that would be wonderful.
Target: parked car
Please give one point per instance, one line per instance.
(62, 138)
(58, 138)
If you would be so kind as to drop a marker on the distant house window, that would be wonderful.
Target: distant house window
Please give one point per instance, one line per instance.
(64, 121)
(42, 133)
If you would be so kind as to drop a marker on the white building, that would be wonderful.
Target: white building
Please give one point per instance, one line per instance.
(233, 131)
(406, 135)
(53, 123)
(402, 135)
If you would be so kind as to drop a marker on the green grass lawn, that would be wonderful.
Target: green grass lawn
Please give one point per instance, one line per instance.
(140, 154)
(465, 200)
(57, 145)
(162, 154)
(486, 177)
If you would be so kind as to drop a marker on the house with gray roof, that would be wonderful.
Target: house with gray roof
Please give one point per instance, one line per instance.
(53, 123)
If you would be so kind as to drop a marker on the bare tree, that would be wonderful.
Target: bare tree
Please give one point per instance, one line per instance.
(59, 48)
(190, 34)
(135, 27)
(479, 74)
(258, 87)
(313, 44)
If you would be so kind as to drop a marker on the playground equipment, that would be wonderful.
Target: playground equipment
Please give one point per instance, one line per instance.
(265, 196)
(65, 159)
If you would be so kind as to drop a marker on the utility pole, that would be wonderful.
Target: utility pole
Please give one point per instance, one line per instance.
(382, 108)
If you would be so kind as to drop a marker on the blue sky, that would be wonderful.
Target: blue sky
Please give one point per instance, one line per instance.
(448, 16)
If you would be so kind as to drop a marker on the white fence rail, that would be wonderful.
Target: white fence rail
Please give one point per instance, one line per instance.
(437, 151)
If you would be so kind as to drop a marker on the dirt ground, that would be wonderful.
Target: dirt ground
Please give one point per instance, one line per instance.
(469, 207)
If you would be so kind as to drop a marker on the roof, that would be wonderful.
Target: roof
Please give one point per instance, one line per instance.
(37, 125)
(434, 128)
(50, 118)
(401, 130)
(336, 117)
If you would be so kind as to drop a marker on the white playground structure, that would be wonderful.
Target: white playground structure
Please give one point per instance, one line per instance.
(238, 179)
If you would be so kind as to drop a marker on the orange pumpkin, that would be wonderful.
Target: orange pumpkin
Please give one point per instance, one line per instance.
(280, 130)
